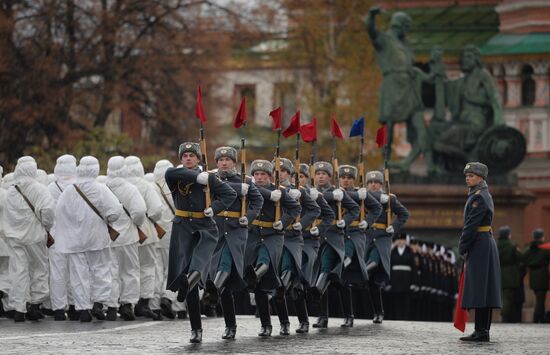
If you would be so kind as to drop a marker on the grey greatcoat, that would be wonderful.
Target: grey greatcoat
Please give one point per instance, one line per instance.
(294, 241)
(357, 272)
(312, 243)
(193, 240)
(272, 239)
(378, 238)
(482, 280)
(334, 236)
(232, 233)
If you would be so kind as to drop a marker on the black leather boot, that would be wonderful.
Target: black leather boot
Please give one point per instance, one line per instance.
(321, 286)
(265, 331)
(181, 314)
(166, 308)
(477, 335)
(286, 279)
(59, 315)
(254, 277)
(85, 316)
(97, 311)
(34, 313)
(375, 294)
(158, 315)
(322, 322)
(482, 322)
(285, 329)
(303, 328)
(229, 332)
(143, 310)
(348, 322)
(196, 336)
(111, 314)
(126, 312)
(214, 288)
(182, 290)
(73, 314)
(18, 317)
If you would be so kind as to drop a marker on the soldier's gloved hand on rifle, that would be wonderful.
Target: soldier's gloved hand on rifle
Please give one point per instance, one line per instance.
(244, 188)
(384, 198)
(314, 193)
(362, 193)
(314, 231)
(209, 212)
(275, 195)
(243, 221)
(295, 194)
(390, 229)
(363, 225)
(278, 225)
(341, 224)
(338, 195)
(202, 178)
(297, 226)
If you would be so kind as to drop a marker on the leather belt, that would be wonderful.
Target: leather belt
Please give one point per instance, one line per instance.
(230, 214)
(264, 224)
(484, 229)
(354, 224)
(379, 226)
(314, 224)
(190, 214)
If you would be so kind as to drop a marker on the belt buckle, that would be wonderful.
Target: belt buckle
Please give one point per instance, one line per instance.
(225, 213)
(189, 214)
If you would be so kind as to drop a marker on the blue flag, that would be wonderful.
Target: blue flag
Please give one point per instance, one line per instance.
(357, 128)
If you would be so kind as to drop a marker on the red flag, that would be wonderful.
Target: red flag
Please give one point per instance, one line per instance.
(545, 246)
(276, 115)
(199, 108)
(335, 129)
(461, 315)
(294, 126)
(240, 118)
(309, 131)
(381, 136)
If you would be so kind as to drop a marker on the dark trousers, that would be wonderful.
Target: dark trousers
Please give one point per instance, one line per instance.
(300, 306)
(538, 315)
(401, 304)
(262, 303)
(228, 307)
(194, 308)
(483, 317)
(346, 299)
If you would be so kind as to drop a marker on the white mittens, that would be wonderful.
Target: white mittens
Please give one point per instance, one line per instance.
(338, 195)
(294, 194)
(278, 225)
(384, 198)
(275, 195)
(244, 188)
(202, 178)
(297, 226)
(341, 223)
(209, 212)
(314, 231)
(362, 193)
(314, 193)
(243, 221)
(390, 229)
(363, 225)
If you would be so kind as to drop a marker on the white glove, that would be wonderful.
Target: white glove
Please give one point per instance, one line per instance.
(314, 231)
(390, 229)
(275, 195)
(209, 212)
(384, 198)
(362, 192)
(294, 194)
(278, 225)
(243, 221)
(314, 193)
(244, 189)
(341, 223)
(297, 226)
(338, 194)
(363, 225)
(202, 178)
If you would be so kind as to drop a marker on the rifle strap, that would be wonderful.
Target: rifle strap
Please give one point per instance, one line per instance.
(31, 206)
(165, 199)
(89, 203)
(59, 187)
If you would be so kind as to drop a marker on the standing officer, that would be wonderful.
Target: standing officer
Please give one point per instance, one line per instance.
(379, 240)
(227, 267)
(402, 271)
(537, 260)
(264, 247)
(482, 281)
(355, 269)
(194, 232)
(510, 260)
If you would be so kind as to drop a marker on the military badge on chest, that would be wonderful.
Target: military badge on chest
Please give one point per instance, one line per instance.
(185, 190)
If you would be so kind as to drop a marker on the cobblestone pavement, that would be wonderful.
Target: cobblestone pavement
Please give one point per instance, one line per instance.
(147, 337)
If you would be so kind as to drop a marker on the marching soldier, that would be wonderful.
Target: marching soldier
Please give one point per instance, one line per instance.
(227, 267)
(331, 257)
(264, 247)
(355, 270)
(482, 281)
(402, 271)
(194, 232)
(379, 241)
(291, 263)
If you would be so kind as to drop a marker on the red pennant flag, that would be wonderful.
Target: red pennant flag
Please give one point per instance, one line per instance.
(545, 246)
(335, 129)
(309, 131)
(276, 115)
(240, 118)
(199, 108)
(294, 126)
(381, 136)
(461, 315)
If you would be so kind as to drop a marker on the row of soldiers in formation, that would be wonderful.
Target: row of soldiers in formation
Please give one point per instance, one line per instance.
(128, 241)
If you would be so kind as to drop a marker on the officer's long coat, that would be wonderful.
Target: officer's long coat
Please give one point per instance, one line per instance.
(380, 239)
(193, 240)
(482, 281)
(232, 233)
(271, 238)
